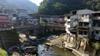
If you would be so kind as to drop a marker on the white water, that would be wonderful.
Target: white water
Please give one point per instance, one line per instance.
(43, 51)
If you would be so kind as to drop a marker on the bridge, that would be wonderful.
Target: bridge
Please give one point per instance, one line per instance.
(9, 34)
(16, 27)
(22, 28)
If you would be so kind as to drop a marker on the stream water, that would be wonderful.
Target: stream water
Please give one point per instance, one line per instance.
(44, 50)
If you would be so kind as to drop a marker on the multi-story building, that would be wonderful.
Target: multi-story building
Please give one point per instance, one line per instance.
(4, 21)
(85, 23)
(79, 24)
(95, 25)
(54, 22)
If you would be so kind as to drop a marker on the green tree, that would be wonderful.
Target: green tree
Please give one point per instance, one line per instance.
(60, 7)
(93, 4)
(3, 52)
(96, 47)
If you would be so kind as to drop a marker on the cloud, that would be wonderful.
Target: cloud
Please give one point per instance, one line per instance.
(37, 2)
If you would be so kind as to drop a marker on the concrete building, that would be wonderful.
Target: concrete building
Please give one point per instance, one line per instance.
(85, 23)
(54, 22)
(32, 21)
(80, 22)
(95, 25)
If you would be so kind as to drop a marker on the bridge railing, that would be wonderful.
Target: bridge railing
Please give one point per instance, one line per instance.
(15, 27)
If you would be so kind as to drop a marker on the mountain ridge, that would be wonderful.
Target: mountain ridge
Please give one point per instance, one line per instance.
(20, 4)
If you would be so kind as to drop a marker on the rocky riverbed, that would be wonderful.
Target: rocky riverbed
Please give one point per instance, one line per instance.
(44, 50)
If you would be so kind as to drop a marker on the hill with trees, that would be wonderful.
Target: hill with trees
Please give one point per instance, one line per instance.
(93, 4)
(19, 4)
(60, 7)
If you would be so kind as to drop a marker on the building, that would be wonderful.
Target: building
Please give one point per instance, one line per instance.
(32, 21)
(85, 23)
(54, 22)
(80, 22)
(95, 25)
(4, 21)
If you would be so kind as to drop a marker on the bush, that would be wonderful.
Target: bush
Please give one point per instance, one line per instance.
(96, 45)
(3, 52)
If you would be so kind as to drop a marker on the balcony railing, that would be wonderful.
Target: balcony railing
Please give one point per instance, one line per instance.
(83, 35)
(84, 26)
(84, 20)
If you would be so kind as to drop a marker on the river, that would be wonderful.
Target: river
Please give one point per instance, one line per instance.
(44, 50)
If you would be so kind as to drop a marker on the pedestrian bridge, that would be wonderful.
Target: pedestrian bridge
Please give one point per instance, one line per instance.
(17, 27)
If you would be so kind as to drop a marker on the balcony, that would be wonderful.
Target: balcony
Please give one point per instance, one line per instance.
(83, 25)
(84, 19)
(82, 35)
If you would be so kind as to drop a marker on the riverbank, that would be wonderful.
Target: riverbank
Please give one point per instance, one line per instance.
(44, 50)
(62, 52)
(68, 42)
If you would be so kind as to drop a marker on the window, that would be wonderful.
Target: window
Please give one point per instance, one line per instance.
(96, 23)
(80, 24)
(82, 15)
(97, 32)
(86, 24)
(83, 32)
(80, 32)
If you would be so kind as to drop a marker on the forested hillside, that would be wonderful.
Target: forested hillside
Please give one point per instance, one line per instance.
(59, 7)
(93, 4)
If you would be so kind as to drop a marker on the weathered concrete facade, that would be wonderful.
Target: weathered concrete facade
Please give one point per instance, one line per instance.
(53, 22)
(95, 25)
(85, 23)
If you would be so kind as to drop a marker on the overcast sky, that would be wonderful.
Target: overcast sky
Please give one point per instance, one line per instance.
(37, 2)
